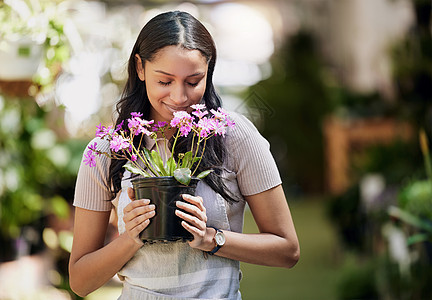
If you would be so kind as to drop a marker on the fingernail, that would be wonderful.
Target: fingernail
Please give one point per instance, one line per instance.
(145, 201)
(152, 206)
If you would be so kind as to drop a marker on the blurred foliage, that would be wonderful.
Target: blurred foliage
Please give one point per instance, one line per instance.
(416, 198)
(380, 277)
(37, 170)
(380, 274)
(397, 161)
(352, 105)
(40, 21)
(299, 100)
(302, 91)
(412, 63)
(358, 282)
(346, 212)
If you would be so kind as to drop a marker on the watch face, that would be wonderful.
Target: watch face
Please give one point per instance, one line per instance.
(220, 238)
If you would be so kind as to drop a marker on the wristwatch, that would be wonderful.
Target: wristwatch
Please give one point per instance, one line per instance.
(219, 239)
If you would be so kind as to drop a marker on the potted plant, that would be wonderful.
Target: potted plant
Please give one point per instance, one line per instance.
(415, 201)
(163, 178)
(33, 44)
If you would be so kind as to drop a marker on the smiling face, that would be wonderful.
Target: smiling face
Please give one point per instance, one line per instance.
(175, 79)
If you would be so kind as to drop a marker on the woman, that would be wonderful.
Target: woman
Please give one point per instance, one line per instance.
(170, 69)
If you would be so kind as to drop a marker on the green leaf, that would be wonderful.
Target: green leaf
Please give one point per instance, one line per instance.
(187, 158)
(150, 163)
(409, 218)
(171, 165)
(203, 174)
(183, 175)
(418, 238)
(147, 154)
(158, 162)
(135, 170)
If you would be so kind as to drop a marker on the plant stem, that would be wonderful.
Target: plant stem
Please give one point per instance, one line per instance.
(196, 152)
(139, 145)
(134, 150)
(196, 168)
(143, 158)
(165, 144)
(426, 155)
(175, 141)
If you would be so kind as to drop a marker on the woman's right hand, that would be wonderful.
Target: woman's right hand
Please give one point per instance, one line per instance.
(137, 215)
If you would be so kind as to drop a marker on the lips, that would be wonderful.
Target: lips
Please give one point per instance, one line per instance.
(174, 108)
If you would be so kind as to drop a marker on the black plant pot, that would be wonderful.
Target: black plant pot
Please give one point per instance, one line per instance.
(164, 192)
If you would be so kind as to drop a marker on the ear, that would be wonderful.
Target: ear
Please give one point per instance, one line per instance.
(139, 67)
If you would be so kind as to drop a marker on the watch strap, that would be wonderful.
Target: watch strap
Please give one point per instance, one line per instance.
(215, 249)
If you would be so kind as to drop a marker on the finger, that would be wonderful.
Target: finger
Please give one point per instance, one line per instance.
(193, 230)
(139, 220)
(135, 204)
(135, 232)
(195, 200)
(192, 220)
(192, 209)
(137, 211)
(131, 193)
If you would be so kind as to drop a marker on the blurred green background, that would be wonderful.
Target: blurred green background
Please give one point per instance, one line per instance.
(342, 89)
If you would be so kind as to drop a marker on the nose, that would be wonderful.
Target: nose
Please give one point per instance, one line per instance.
(178, 94)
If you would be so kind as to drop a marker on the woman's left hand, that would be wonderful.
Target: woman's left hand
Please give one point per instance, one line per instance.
(194, 220)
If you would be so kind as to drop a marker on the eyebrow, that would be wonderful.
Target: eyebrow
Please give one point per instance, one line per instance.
(192, 75)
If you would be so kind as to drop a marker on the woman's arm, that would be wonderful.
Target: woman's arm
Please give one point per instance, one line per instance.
(91, 263)
(276, 244)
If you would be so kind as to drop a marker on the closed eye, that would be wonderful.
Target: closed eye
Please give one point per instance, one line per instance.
(164, 83)
(193, 84)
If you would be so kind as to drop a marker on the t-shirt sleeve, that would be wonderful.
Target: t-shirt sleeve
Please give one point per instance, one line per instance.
(92, 190)
(251, 159)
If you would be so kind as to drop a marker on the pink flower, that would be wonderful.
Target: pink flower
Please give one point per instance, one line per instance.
(199, 110)
(89, 158)
(219, 128)
(143, 127)
(180, 117)
(102, 131)
(200, 123)
(198, 106)
(220, 113)
(138, 126)
(205, 126)
(146, 123)
(159, 126)
(99, 130)
(199, 113)
(136, 114)
(118, 143)
(230, 123)
(93, 146)
(144, 130)
(185, 129)
(133, 123)
(119, 126)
